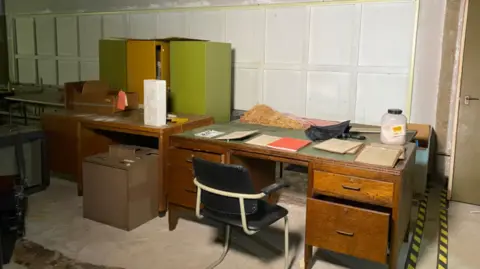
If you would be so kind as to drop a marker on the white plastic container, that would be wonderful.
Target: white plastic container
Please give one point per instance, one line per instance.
(393, 128)
(155, 102)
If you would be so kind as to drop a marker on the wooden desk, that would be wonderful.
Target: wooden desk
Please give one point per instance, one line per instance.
(82, 133)
(48, 98)
(352, 208)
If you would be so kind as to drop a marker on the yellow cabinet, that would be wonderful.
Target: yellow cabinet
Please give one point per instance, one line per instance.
(126, 63)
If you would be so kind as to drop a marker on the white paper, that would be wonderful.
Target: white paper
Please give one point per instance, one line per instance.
(209, 133)
(237, 135)
(155, 102)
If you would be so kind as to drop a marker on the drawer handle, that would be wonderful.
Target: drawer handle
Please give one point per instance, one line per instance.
(344, 233)
(190, 191)
(351, 188)
(190, 160)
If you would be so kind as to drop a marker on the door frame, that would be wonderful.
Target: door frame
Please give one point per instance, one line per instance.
(458, 93)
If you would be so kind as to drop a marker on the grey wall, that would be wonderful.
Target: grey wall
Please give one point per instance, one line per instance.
(76, 6)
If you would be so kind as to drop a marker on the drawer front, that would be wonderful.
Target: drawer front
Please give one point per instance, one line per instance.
(182, 157)
(353, 188)
(349, 230)
(181, 189)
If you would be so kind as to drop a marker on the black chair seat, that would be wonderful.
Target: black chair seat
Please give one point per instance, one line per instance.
(265, 215)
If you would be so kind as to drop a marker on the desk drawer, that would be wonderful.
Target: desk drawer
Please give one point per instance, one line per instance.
(353, 188)
(183, 157)
(346, 229)
(181, 189)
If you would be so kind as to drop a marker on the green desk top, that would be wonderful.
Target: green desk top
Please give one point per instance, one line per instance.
(282, 132)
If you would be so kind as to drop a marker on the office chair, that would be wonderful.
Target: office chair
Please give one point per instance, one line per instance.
(228, 196)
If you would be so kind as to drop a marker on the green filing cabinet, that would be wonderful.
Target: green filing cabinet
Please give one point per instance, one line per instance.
(201, 75)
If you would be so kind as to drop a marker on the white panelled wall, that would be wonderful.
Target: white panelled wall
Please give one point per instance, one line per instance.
(332, 61)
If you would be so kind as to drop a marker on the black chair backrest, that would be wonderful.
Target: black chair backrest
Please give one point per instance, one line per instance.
(224, 177)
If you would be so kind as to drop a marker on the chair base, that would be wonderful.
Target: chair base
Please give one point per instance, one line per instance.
(226, 247)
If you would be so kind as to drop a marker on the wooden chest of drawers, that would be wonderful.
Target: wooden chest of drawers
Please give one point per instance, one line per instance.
(352, 215)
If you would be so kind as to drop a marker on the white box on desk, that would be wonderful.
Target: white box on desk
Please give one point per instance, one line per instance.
(155, 102)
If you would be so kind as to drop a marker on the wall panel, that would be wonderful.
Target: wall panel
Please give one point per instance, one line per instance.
(331, 61)
(67, 36)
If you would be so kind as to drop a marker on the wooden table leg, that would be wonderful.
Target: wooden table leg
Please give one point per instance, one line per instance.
(162, 174)
(172, 218)
(307, 259)
(407, 233)
(281, 170)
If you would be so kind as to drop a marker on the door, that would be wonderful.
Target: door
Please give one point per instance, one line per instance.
(466, 168)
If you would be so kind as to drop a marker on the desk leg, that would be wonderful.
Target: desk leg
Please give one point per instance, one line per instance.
(24, 110)
(307, 259)
(281, 170)
(172, 218)
(407, 233)
(162, 174)
(10, 113)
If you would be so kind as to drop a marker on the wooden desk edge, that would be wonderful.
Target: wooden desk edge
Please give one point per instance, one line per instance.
(382, 173)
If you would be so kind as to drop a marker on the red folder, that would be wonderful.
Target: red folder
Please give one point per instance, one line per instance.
(289, 144)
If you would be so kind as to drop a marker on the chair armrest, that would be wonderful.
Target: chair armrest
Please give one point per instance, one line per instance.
(274, 187)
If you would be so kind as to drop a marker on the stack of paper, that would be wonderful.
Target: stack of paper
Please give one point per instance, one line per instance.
(339, 146)
(379, 156)
(237, 135)
(398, 147)
(262, 140)
(209, 133)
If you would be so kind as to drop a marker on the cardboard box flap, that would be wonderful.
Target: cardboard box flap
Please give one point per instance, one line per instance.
(423, 131)
(129, 151)
(95, 87)
(124, 163)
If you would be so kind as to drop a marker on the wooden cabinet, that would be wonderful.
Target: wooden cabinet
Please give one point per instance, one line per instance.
(201, 74)
(61, 136)
(126, 63)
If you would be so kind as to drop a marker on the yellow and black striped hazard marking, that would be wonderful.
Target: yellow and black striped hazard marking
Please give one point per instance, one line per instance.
(414, 249)
(442, 262)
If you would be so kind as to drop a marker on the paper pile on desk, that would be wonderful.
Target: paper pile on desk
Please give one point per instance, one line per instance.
(380, 156)
(339, 146)
(237, 135)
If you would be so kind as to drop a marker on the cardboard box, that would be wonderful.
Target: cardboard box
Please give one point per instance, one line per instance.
(120, 187)
(95, 97)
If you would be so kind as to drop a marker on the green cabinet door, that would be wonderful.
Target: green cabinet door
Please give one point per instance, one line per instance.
(187, 75)
(113, 62)
(201, 78)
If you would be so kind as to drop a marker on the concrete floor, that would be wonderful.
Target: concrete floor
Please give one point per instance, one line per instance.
(55, 221)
